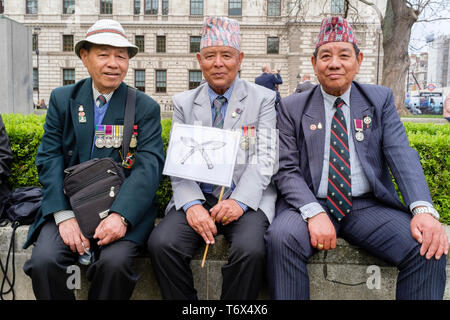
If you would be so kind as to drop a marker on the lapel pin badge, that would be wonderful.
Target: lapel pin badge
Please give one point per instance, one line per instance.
(313, 127)
(367, 120)
(81, 115)
(319, 126)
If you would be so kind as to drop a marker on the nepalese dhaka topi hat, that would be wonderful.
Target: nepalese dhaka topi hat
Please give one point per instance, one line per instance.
(335, 29)
(220, 31)
(107, 32)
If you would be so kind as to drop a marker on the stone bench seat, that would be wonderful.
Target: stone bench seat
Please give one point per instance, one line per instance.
(346, 264)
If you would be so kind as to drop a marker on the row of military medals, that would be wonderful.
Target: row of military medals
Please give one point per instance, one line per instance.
(111, 136)
(248, 137)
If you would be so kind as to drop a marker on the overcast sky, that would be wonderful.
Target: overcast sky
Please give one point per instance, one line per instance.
(421, 30)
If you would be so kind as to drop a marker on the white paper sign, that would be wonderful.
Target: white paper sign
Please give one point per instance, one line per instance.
(202, 154)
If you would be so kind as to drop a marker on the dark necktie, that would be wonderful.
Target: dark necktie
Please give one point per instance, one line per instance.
(101, 101)
(339, 194)
(218, 123)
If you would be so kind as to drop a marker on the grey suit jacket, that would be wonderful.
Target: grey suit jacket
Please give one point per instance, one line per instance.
(385, 146)
(254, 167)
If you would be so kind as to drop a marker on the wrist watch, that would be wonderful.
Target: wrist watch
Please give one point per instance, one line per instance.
(124, 221)
(429, 210)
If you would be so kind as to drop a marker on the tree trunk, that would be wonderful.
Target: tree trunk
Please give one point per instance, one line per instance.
(396, 27)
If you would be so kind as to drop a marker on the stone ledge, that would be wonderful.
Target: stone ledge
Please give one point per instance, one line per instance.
(346, 264)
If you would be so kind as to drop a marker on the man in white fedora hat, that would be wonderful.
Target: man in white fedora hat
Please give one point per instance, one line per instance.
(80, 117)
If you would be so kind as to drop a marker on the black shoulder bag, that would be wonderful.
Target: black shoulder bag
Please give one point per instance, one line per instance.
(92, 186)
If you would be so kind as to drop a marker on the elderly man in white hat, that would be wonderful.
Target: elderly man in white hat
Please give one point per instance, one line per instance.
(194, 214)
(79, 118)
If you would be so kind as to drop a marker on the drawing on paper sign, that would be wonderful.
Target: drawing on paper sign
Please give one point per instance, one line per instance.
(201, 147)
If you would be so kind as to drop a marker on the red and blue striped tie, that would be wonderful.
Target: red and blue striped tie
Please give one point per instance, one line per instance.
(339, 195)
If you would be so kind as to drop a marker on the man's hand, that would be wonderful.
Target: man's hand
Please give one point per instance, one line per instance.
(226, 211)
(71, 235)
(429, 232)
(110, 229)
(322, 232)
(200, 220)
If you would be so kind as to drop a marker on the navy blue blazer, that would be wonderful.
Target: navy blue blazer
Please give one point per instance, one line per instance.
(269, 80)
(384, 147)
(67, 142)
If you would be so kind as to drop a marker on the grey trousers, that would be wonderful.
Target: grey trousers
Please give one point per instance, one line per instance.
(111, 275)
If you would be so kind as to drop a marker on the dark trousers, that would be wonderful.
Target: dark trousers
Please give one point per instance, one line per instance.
(111, 275)
(173, 243)
(380, 230)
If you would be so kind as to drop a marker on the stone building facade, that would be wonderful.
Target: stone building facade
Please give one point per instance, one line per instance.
(168, 32)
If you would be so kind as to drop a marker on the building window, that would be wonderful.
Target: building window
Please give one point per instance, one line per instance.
(139, 80)
(68, 76)
(106, 6)
(68, 6)
(235, 7)
(194, 44)
(165, 7)
(68, 42)
(2, 8)
(32, 6)
(35, 42)
(137, 6)
(140, 43)
(338, 6)
(161, 80)
(35, 79)
(273, 8)
(196, 7)
(161, 44)
(151, 6)
(195, 78)
(273, 45)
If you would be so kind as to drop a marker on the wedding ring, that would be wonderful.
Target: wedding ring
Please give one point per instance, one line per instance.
(320, 246)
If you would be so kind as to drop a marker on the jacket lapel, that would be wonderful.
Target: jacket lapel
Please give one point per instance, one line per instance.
(202, 108)
(359, 109)
(236, 102)
(315, 136)
(84, 132)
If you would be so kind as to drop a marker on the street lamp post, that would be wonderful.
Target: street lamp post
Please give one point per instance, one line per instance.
(36, 32)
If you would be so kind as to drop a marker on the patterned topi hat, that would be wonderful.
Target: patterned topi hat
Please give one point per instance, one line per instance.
(107, 32)
(335, 29)
(221, 31)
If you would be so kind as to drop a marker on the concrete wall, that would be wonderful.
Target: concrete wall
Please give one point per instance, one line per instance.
(16, 76)
(358, 270)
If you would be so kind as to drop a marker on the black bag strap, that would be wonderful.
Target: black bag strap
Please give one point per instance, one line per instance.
(128, 121)
(6, 281)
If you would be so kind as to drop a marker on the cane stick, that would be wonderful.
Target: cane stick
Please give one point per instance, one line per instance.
(207, 245)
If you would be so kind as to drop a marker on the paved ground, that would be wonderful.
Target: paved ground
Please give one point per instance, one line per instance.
(425, 120)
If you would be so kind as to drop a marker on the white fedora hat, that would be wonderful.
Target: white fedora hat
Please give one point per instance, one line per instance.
(107, 32)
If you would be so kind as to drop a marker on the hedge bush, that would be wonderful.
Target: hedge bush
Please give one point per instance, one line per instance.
(432, 142)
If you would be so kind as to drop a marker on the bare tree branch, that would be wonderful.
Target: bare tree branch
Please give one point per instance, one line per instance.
(374, 6)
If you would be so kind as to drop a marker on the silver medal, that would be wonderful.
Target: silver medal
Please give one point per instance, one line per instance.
(99, 142)
(359, 136)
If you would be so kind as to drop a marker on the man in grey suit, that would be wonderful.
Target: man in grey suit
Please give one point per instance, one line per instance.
(305, 84)
(194, 216)
(337, 144)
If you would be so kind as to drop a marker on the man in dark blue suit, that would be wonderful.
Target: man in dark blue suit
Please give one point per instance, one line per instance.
(338, 142)
(270, 80)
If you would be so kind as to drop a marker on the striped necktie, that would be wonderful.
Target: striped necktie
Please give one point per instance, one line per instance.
(101, 101)
(218, 123)
(218, 117)
(339, 194)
